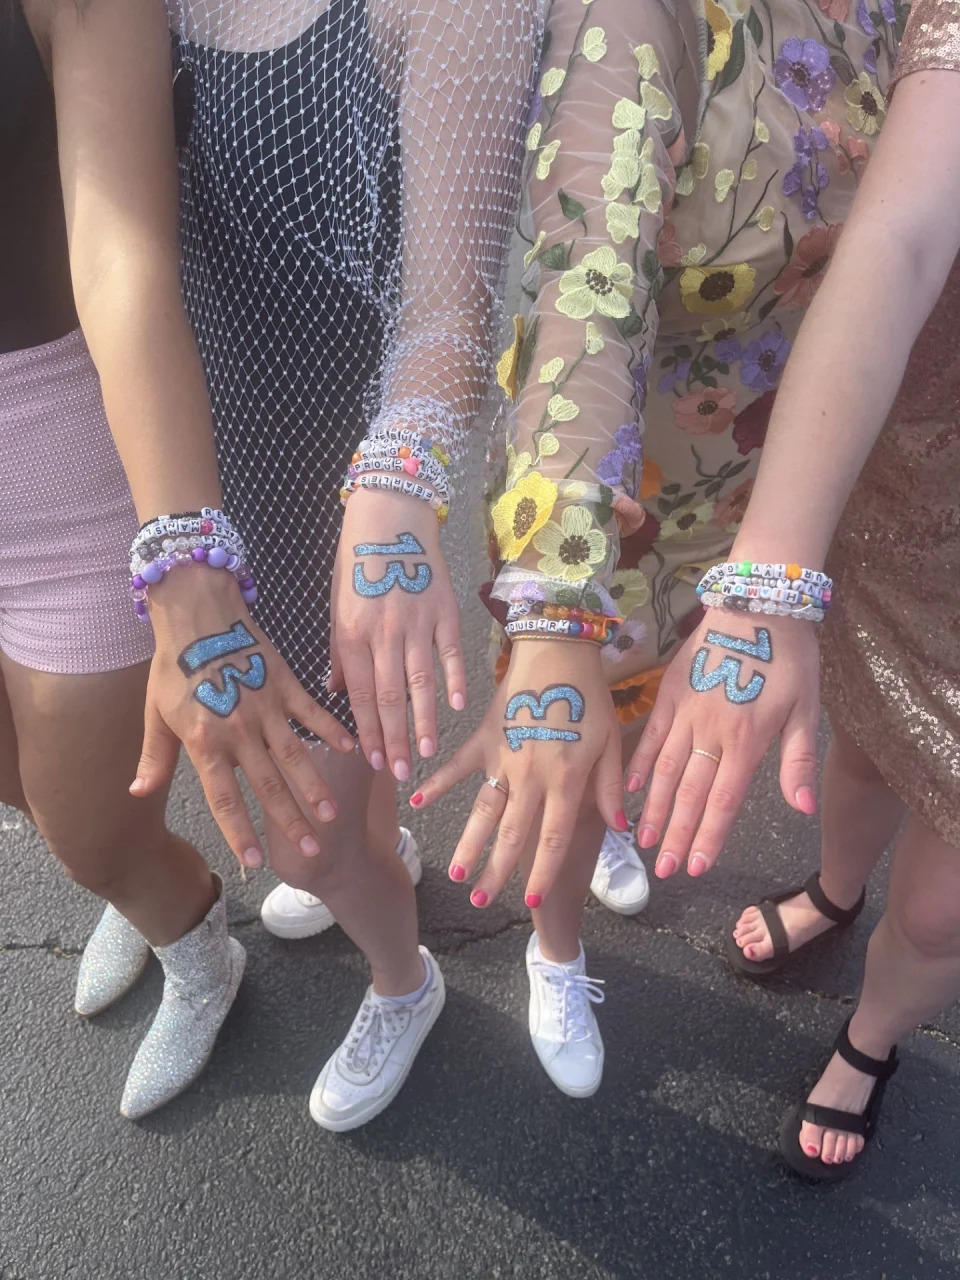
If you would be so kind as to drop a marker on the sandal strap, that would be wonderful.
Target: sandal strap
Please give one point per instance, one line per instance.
(830, 909)
(880, 1068)
(831, 1118)
(778, 934)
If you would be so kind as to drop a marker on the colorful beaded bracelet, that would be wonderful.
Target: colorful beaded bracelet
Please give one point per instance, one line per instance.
(396, 484)
(805, 613)
(568, 628)
(543, 609)
(783, 595)
(434, 475)
(152, 555)
(747, 568)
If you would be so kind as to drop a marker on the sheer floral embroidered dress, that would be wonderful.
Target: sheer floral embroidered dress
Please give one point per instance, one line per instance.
(891, 654)
(690, 166)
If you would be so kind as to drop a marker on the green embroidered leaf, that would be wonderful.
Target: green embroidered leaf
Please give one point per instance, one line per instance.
(755, 27)
(606, 495)
(766, 308)
(630, 325)
(592, 601)
(787, 239)
(840, 34)
(713, 488)
(525, 359)
(572, 209)
(664, 506)
(685, 499)
(554, 258)
(722, 368)
(842, 67)
(731, 72)
(566, 596)
(603, 515)
(684, 352)
(709, 381)
(650, 265)
(669, 489)
(735, 471)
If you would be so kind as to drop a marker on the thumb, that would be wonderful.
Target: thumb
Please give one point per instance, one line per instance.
(608, 785)
(158, 759)
(798, 760)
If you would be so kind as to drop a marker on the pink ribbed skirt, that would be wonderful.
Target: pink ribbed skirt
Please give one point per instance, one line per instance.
(66, 518)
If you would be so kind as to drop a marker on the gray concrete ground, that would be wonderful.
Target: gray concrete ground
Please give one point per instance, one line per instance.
(480, 1169)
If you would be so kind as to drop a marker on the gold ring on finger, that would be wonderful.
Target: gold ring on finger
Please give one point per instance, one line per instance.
(699, 751)
(497, 785)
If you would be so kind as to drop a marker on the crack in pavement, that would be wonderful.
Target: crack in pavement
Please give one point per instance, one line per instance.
(53, 947)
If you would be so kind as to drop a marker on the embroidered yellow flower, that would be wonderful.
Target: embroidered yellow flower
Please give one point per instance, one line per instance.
(518, 464)
(687, 522)
(630, 589)
(534, 249)
(550, 371)
(508, 362)
(600, 283)
(723, 184)
(624, 171)
(765, 217)
(569, 549)
(865, 105)
(719, 39)
(521, 512)
(560, 409)
(647, 62)
(623, 222)
(712, 291)
(727, 327)
(594, 339)
(648, 192)
(551, 81)
(546, 158)
(629, 115)
(594, 44)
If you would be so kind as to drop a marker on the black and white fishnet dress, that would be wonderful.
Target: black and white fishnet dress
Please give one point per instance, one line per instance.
(349, 176)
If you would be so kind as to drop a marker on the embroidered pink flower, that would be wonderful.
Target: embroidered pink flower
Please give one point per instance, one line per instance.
(836, 10)
(750, 426)
(801, 279)
(706, 412)
(851, 152)
(730, 510)
(668, 247)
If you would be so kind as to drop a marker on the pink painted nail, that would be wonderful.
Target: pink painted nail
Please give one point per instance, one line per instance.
(533, 900)
(325, 811)
(401, 770)
(748, 952)
(633, 782)
(457, 872)
(416, 798)
(252, 858)
(426, 747)
(648, 837)
(666, 866)
(478, 898)
(376, 760)
(621, 821)
(806, 800)
(458, 702)
(309, 847)
(697, 865)
(811, 1151)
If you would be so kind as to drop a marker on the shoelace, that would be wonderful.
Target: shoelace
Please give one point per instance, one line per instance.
(574, 993)
(371, 1037)
(613, 851)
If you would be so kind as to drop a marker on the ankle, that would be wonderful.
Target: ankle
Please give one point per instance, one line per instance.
(558, 949)
(403, 981)
(870, 1037)
(839, 888)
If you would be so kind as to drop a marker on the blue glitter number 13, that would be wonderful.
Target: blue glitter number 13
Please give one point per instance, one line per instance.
(517, 736)
(729, 671)
(395, 575)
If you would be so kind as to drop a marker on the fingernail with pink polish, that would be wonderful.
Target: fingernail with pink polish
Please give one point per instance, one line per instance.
(666, 866)
(252, 858)
(478, 898)
(457, 872)
(621, 821)
(806, 800)
(648, 838)
(376, 760)
(426, 747)
(401, 770)
(458, 702)
(533, 900)
(633, 783)
(697, 865)
(325, 811)
(309, 847)
(416, 799)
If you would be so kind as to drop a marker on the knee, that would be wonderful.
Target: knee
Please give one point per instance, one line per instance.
(928, 923)
(103, 868)
(313, 875)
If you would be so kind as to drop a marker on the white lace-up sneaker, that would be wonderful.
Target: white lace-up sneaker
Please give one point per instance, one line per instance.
(564, 1031)
(368, 1070)
(620, 879)
(294, 913)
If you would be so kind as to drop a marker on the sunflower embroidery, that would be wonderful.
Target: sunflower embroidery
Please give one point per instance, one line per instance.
(716, 290)
(571, 548)
(865, 105)
(521, 512)
(719, 39)
(600, 283)
(509, 361)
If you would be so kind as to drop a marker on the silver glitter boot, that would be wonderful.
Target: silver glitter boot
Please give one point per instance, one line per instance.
(112, 961)
(202, 971)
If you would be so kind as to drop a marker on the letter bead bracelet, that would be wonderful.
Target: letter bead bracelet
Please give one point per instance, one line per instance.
(755, 587)
(187, 537)
(401, 461)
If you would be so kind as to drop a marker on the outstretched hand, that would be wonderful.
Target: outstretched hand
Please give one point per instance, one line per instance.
(551, 741)
(740, 679)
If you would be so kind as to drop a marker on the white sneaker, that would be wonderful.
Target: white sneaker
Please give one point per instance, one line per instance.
(564, 1031)
(620, 879)
(368, 1070)
(294, 913)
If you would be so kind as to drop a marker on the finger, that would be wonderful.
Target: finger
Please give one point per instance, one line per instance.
(361, 689)
(298, 704)
(391, 704)
(729, 790)
(651, 742)
(295, 761)
(608, 785)
(450, 653)
(158, 756)
(667, 772)
(423, 697)
(225, 799)
(468, 759)
(484, 816)
(560, 812)
(512, 835)
(798, 760)
(689, 802)
(277, 800)
(335, 680)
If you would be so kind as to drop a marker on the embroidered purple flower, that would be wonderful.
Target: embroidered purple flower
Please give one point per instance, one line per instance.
(610, 467)
(641, 372)
(889, 11)
(808, 141)
(527, 592)
(679, 373)
(763, 361)
(729, 350)
(870, 60)
(863, 17)
(630, 441)
(803, 73)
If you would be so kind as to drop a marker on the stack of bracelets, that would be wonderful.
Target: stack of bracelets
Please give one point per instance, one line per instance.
(784, 589)
(533, 620)
(186, 537)
(401, 461)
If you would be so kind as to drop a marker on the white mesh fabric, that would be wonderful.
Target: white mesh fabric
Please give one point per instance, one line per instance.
(350, 173)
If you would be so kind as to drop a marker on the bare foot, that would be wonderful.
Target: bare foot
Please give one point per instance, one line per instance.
(801, 920)
(846, 1089)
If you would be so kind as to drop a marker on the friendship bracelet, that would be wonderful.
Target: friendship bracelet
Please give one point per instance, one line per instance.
(791, 573)
(201, 537)
(783, 595)
(805, 613)
(396, 484)
(543, 609)
(433, 475)
(565, 627)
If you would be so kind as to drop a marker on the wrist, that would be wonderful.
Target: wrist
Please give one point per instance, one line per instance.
(193, 597)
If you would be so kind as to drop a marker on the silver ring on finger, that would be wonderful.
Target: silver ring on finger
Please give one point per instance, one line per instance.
(497, 785)
(699, 751)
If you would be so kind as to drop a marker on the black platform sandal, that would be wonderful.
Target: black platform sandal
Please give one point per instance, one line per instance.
(778, 935)
(842, 1121)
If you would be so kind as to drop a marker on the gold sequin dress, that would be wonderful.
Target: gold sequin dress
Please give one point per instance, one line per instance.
(892, 646)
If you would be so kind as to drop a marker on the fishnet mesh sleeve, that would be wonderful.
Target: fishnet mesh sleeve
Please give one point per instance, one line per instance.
(617, 85)
(466, 73)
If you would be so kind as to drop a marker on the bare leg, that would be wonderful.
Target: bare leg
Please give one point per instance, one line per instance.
(11, 788)
(357, 872)
(557, 922)
(859, 819)
(912, 973)
(79, 742)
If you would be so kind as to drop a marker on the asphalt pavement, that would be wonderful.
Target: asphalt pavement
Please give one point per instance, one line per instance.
(480, 1168)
